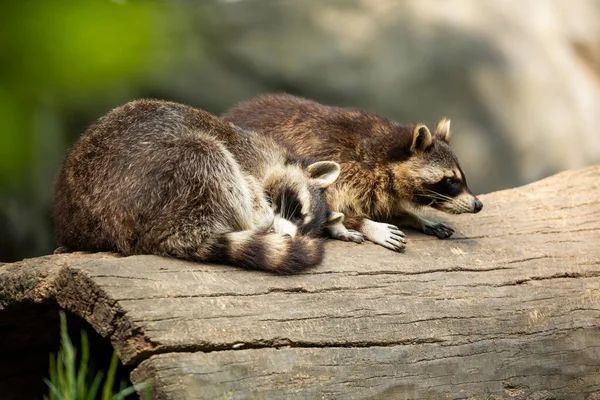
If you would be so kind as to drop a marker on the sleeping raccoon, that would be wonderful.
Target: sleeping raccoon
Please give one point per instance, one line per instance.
(156, 177)
(388, 169)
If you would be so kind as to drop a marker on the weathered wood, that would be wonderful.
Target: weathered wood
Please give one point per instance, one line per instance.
(507, 308)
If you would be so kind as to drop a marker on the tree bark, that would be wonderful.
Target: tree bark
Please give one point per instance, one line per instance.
(507, 308)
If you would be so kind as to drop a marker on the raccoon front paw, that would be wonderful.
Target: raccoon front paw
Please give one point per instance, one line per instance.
(339, 232)
(386, 235)
(442, 231)
(351, 236)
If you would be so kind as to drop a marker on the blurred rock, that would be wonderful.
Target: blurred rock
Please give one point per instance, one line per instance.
(520, 79)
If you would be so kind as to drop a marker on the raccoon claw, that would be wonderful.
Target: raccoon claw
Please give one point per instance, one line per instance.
(395, 243)
(396, 231)
(353, 236)
(440, 230)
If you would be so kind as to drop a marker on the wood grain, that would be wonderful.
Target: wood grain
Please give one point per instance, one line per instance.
(507, 308)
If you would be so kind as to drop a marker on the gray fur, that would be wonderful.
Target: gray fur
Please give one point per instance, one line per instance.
(164, 178)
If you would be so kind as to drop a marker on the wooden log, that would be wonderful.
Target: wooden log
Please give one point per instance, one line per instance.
(508, 307)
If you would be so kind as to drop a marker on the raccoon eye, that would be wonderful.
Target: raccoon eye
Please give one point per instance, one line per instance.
(450, 181)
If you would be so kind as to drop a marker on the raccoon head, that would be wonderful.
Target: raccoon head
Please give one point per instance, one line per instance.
(437, 178)
(297, 195)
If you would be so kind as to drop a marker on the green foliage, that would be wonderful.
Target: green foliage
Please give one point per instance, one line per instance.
(62, 50)
(62, 58)
(71, 382)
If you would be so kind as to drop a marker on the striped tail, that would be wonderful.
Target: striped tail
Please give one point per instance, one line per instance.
(267, 251)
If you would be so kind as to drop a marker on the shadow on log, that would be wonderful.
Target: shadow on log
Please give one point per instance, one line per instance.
(507, 308)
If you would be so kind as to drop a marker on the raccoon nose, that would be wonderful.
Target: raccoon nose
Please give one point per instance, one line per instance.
(478, 205)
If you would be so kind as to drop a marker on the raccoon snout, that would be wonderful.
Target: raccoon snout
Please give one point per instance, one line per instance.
(477, 206)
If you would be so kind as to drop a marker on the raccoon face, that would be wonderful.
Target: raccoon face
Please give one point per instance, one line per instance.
(439, 180)
(297, 195)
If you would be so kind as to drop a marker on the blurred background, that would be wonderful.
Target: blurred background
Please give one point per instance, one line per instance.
(520, 79)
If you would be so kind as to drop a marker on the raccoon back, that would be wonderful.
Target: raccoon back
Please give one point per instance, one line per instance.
(311, 129)
(133, 179)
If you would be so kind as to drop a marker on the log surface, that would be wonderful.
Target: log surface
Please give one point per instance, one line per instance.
(509, 307)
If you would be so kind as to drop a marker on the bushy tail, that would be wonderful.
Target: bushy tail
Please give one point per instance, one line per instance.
(267, 251)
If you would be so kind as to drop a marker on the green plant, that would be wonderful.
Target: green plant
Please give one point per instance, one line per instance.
(71, 382)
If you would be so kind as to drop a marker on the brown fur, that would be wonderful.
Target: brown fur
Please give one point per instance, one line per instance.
(387, 169)
(163, 178)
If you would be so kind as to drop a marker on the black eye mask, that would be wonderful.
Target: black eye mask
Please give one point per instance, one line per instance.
(288, 205)
(448, 186)
(319, 212)
(436, 193)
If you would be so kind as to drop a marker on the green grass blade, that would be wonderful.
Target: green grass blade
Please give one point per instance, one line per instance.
(69, 380)
(83, 367)
(54, 392)
(68, 360)
(148, 393)
(53, 377)
(110, 378)
(126, 391)
(61, 381)
(93, 390)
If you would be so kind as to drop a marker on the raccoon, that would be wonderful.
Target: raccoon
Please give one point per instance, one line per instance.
(157, 177)
(388, 169)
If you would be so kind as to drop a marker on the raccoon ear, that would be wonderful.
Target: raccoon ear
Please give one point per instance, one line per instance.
(323, 173)
(443, 129)
(334, 218)
(421, 139)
